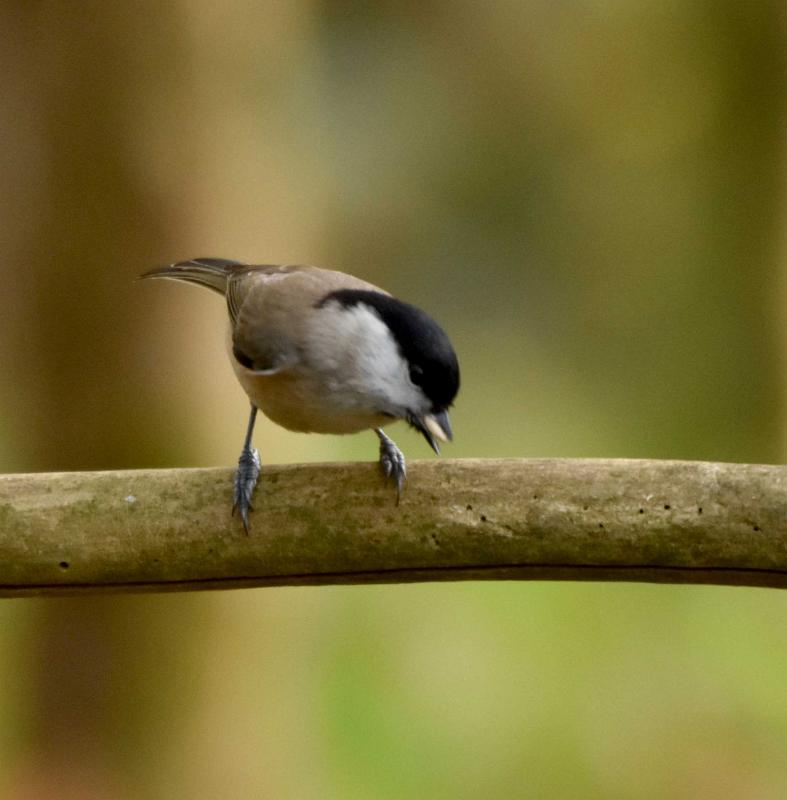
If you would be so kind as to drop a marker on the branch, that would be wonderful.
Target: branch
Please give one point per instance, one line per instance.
(156, 530)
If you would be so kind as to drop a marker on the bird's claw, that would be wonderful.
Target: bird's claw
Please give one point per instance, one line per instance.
(245, 482)
(392, 463)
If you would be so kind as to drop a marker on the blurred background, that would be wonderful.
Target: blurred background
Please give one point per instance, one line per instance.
(589, 196)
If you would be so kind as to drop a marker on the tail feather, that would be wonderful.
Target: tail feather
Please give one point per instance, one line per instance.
(209, 272)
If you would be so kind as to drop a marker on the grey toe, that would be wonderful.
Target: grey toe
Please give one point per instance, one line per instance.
(245, 483)
(392, 462)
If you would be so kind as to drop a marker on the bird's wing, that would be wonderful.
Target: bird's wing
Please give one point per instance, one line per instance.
(270, 306)
(246, 278)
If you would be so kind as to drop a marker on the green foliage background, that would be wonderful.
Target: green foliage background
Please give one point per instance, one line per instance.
(588, 195)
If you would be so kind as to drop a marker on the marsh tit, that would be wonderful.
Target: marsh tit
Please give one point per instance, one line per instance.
(319, 351)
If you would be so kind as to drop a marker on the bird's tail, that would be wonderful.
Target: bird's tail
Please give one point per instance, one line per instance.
(209, 272)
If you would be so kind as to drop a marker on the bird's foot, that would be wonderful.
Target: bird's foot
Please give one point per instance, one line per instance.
(245, 481)
(392, 462)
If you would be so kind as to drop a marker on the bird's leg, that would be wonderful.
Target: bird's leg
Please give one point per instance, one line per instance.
(247, 474)
(392, 462)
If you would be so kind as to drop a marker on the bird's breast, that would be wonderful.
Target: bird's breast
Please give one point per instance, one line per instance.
(309, 404)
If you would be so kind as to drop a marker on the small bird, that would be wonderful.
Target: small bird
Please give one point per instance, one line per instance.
(320, 351)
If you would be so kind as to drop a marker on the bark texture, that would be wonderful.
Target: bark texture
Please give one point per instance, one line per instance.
(622, 520)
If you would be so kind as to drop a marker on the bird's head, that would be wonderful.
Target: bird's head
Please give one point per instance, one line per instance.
(422, 380)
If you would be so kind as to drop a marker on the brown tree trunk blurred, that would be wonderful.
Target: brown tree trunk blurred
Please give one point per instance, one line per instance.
(77, 226)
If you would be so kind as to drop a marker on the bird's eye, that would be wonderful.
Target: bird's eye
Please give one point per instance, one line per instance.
(416, 374)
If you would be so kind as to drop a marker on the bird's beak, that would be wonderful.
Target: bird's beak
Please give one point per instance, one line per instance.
(439, 426)
(434, 427)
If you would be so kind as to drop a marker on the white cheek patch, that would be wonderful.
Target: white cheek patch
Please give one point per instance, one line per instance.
(357, 350)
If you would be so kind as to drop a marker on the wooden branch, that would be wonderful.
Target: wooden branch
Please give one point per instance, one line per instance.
(155, 530)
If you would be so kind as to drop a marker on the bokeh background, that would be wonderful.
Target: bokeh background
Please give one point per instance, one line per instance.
(590, 196)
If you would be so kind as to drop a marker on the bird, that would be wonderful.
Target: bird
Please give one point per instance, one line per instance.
(321, 351)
